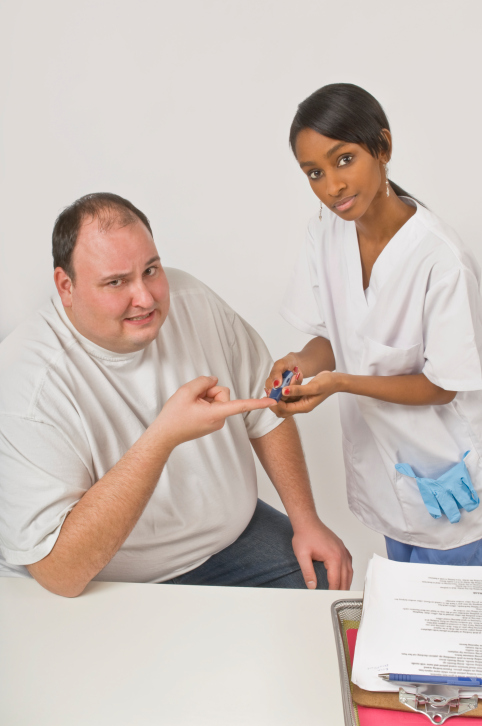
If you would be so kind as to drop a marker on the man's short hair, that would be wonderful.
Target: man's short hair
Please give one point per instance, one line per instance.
(109, 210)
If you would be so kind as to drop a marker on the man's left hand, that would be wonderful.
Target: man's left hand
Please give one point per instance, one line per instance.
(315, 541)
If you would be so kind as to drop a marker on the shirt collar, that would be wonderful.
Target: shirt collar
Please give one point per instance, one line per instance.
(399, 246)
(96, 351)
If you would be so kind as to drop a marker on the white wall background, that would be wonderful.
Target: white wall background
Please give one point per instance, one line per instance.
(185, 107)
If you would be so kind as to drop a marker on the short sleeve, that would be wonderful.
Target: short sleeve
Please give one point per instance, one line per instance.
(251, 366)
(41, 480)
(301, 306)
(452, 328)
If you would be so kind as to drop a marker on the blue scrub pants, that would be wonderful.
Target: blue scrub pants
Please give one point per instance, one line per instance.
(262, 556)
(470, 554)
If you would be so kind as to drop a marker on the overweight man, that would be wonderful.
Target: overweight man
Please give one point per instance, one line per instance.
(122, 457)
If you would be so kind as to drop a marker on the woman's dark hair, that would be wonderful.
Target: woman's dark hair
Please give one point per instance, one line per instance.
(345, 112)
(109, 209)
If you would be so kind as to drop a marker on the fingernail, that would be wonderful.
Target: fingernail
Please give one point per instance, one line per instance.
(286, 391)
(311, 585)
(266, 391)
(297, 376)
(276, 383)
(296, 369)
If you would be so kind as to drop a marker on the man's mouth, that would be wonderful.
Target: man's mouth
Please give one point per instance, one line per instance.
(139, 319)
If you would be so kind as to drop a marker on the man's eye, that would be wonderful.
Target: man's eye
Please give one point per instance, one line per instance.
(315, 174)
(151, 271)
(115, 283)
(345, 160)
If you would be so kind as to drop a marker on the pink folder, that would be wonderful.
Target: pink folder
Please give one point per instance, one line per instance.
(383, 717)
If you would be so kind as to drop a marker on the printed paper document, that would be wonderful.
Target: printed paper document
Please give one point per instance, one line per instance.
(418, 619)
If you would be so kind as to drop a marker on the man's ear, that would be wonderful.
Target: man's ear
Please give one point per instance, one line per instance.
(64, 284)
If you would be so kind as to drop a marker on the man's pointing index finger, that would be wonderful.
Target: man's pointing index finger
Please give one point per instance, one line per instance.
(231, 408)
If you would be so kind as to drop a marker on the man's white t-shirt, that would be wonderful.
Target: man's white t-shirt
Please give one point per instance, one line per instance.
(69, 410)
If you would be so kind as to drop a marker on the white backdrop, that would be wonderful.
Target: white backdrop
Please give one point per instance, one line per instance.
(185, 108)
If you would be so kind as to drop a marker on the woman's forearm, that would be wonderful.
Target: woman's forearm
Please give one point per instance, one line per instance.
(409, 390)
(316, 356)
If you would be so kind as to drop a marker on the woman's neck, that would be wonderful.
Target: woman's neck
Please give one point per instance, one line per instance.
(377, 227)
(383, 219)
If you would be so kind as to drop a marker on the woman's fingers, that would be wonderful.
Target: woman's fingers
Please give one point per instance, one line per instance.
(297, 391)
(275, 378)
(297, 378)
(322, 384)
(284, 409)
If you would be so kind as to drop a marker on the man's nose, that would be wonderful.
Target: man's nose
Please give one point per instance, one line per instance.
(141, 296)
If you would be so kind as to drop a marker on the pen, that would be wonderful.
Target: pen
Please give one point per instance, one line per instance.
(277, 392)
(460, 681)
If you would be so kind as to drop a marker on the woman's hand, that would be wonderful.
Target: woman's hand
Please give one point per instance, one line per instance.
(316, 357)
(288, 363)
(302, 399)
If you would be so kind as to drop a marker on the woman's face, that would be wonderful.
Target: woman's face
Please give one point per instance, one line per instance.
(343, 175)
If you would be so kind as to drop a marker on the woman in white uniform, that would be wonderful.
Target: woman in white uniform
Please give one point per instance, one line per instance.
(392, 297)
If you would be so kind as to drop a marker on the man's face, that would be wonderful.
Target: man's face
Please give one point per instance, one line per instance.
(120, 297)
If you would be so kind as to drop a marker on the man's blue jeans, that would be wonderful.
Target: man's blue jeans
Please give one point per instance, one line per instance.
(262, 556)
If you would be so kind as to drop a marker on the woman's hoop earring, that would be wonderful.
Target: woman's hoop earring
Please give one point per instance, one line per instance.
(386, 180)
(320, 212)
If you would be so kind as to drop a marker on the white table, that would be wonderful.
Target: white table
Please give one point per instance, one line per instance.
(164, 655)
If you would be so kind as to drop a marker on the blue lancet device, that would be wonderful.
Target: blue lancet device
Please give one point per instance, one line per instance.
(276, 393)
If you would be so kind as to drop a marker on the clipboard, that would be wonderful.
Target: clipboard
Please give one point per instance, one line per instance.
(346, 615)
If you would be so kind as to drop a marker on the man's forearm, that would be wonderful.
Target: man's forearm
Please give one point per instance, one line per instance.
(282, 458)
(101, 521)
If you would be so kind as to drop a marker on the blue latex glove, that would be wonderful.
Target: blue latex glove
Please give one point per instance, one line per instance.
(449, 493)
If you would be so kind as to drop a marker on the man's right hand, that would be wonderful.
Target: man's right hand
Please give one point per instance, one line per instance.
(106, 514)
(200, 407)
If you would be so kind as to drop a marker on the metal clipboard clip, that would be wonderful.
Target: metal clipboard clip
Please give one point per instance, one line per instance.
(438, 703)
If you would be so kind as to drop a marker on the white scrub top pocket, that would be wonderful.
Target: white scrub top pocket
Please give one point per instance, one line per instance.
(448, 494)
(384, 360)
(421, 524)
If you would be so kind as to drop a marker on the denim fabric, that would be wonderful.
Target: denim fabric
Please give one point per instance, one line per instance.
(262, 556)
(470, 554)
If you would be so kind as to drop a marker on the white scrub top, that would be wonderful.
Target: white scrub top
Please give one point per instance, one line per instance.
(421, 314)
